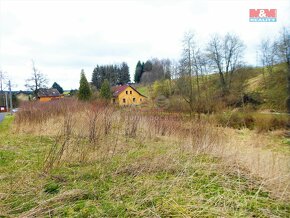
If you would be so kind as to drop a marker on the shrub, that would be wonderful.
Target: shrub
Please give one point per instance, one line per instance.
(162, 102)
(249, 121)
(105, 91)
(51, 188)
(177, 104)
(260, 122)
(163, 88)
(233, 119)
(270, 122)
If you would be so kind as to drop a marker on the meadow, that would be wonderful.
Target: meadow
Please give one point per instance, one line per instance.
(90, 159)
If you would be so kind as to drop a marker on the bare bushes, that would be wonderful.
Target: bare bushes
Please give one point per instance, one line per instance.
(90, 132)
(266, 122)
(93, 136)
(94, 131)
(162, 124)
(131, 122)
(60, 145)
(38, 112)
(246, 149)
(258, 121)
(99, 122)
(205, 137)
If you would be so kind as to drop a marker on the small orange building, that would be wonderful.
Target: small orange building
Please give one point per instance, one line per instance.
(127, 95)
(45, 95)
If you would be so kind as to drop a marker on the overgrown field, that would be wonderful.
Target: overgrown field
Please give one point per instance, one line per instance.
(69, 158)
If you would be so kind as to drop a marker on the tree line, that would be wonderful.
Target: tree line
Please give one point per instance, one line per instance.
(222, 54)
(115, 74)
(152, 70)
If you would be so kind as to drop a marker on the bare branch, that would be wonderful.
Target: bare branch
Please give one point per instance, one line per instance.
(36, 81)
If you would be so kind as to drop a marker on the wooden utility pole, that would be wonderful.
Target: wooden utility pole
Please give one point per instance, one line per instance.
(6, 101)
(10, 93)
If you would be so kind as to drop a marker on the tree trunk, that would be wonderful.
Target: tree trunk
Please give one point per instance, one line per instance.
(223, 83)
(288, 86)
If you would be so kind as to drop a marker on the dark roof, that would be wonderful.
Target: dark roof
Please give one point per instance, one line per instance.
(48, 93)
(23, 92)
(119, 89)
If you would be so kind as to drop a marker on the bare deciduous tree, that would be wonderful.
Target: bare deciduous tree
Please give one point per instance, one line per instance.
(192, 66)
(283, 45)
(3, 78)
(268, 54)
(185, 82)
(2, 82)
(156, 69)
(174, 69)
(215, 54)
(226, 55)
(166, 63)
(36, 81)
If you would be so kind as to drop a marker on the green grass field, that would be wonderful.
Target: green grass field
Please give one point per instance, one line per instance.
(144, 90)
(152, 178)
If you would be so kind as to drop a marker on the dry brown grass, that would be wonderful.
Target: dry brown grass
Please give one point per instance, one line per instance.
(55, 202)
(88, 132)
(251, 151)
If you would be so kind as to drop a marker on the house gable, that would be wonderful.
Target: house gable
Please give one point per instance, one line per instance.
(127, 95)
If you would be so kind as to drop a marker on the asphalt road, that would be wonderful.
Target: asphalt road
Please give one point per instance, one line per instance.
(2, 115)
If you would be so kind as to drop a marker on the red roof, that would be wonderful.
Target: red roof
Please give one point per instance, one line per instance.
(119, 89)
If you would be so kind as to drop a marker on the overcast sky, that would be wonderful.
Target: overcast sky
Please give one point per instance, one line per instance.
(63, 37)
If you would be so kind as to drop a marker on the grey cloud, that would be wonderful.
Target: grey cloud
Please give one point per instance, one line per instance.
(74, 51)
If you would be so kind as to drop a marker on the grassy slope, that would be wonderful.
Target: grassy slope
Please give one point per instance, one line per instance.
(144, 90)
(271, 89)
(152, 178)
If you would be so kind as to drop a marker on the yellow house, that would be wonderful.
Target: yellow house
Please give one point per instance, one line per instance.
(45, 95)
(127, 95)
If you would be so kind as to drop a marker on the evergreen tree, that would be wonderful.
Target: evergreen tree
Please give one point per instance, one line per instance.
(115, 74)
(96, 77)
(138, 72)
(124, 77)
(58, 87)
(147, 66)
(142, 69)
(84, 90)
(105, 91)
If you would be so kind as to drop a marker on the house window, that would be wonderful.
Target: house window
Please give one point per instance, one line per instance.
(126, 92)
(130, 92)
(140, 99)
(124, 100)
(134, 99)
